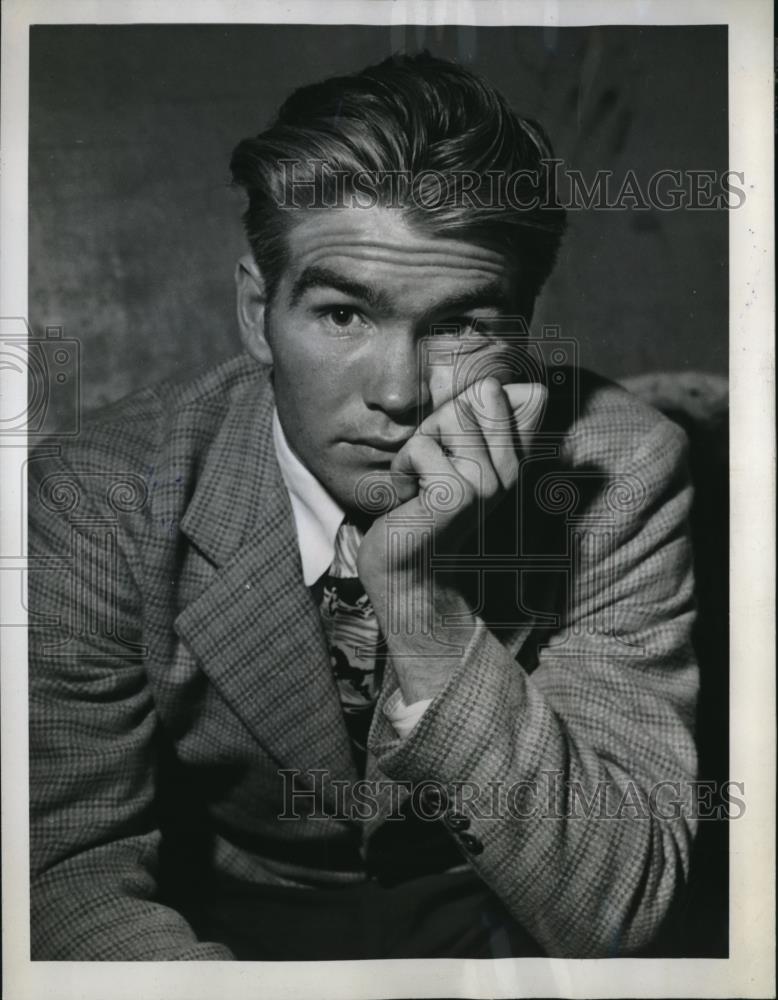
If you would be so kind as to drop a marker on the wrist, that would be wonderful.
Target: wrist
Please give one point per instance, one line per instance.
(427, 630)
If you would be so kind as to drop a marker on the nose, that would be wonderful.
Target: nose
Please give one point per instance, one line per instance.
(395, 381)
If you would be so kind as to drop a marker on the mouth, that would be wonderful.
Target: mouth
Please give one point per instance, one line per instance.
(378, 449)
(384, 443)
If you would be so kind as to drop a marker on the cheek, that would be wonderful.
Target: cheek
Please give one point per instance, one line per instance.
(296, 366)
(304, 356)
(293, 354)
(324, 379)
(310, 392)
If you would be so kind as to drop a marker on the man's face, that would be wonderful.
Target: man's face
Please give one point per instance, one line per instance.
(357, 360)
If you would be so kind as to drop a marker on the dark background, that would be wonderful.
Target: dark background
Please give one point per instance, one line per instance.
(134, 231)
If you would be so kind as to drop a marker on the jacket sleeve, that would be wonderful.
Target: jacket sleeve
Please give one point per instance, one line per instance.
(571, 778)
(94, 835)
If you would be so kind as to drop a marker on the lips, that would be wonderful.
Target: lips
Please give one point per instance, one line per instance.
(382, 443)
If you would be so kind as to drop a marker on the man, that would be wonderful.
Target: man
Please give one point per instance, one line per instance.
(373, 641)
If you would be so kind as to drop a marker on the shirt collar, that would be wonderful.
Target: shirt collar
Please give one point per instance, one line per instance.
(317, 516)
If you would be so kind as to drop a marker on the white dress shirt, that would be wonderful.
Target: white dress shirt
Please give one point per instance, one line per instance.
(317, 518)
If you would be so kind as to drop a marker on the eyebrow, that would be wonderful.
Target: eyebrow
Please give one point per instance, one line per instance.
(318, 276)
(491, 293)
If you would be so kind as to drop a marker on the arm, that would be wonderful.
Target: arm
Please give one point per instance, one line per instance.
(94, 836)
(582, 884)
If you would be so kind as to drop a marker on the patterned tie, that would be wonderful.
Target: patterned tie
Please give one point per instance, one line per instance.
(357, 651)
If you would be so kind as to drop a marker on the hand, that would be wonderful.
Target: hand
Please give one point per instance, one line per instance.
(461, 461)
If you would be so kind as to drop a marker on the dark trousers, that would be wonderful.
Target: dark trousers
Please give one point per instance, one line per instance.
(445, 915)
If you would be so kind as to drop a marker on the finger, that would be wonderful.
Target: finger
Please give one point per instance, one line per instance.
(440, 484)
(456, 430)
(528, 403)
(491, 409)
(476, 428)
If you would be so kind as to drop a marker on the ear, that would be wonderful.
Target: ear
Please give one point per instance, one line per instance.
(250, 286)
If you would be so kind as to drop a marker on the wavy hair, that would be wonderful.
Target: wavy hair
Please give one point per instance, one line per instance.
(426, 121)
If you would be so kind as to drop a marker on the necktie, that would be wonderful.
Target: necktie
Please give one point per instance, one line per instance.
(356, 648)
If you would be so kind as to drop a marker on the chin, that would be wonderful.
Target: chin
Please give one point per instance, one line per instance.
(369, 494)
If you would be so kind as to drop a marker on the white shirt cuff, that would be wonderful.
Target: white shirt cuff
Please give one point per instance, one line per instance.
(404, 717)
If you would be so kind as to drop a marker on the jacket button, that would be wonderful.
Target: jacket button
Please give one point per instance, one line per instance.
(434, 798)
(456, 821)
(470, 843)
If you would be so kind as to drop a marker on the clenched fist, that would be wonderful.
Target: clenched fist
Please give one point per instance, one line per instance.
(460, 462)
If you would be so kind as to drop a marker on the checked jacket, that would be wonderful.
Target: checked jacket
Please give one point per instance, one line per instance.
(178, 666)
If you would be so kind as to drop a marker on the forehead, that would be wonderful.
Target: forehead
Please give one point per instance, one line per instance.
(379, 245)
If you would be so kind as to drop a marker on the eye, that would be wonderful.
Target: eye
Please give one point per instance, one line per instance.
(341, 316)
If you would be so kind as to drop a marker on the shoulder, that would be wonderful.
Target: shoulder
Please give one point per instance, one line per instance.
(602, 424)
(133, 433)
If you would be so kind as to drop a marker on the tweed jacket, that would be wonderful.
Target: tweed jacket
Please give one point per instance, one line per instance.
(179, 676)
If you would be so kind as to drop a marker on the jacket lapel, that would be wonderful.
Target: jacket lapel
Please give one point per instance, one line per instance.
(255, 628)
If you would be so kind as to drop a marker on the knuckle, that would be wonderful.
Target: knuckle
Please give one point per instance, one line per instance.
(468, 493)
(413, 447)
(491, 485)
(491, 386)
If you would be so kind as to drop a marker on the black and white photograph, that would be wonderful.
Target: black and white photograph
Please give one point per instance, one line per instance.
(389, 445)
